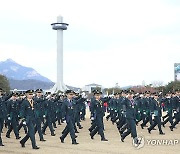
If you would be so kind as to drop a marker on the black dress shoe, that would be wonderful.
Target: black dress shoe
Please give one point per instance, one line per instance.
(76, 132)
(75, 143)
(22, 144)
(154, 129)
(171, 128)
(43, 133)
(42, 140)
(53, 134)
(104, 139)
(81, 127)
(76, 136)
(161, 133)
(142, 126)
(36, 147)
(17, 138)
(89, 129)
(163, 118)
(149, 131)
(92, 137)
(1, 144)
(7, 136)
(136, 141)
(122, 139)
(62, 140)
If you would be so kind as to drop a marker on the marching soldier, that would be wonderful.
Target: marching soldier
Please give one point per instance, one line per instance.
(176, 110)
(22, 123)
(97, 114)
(3, 111)
(169, 109)
(49, 111)
(156, 105)
(28, 115)
(122, 119)
(147, 112)
(13, 115)
(68, 113)
(38, 100)
(59, 109)
(130, 114)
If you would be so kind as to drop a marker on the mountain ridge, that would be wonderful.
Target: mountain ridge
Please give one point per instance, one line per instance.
(13, 70)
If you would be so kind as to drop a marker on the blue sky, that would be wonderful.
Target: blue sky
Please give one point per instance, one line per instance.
(107, 41)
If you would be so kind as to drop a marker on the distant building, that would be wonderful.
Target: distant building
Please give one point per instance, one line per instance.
(177, 71)
(90, 87)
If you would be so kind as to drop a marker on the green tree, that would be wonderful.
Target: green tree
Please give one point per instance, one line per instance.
(4, 83)
(172, 86)
(112, 90)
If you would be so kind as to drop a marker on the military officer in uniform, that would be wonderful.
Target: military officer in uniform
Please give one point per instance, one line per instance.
(130, 114)
(49, 111)
(147, 102)
(38, 100)
(156, 106)
(28, 114)
(22, 123)
(3, 111)
(97, 114)
(68, 113)
(176, 110)
(13, 115)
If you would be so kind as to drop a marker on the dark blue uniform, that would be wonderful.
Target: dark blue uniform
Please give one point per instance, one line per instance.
(156, 107)
(49, 111)
(176, 111)
(29, 115)
(68, 113)
(130, 114)
(38, 114)
(13, 113)
(3, 113)
(97, 112)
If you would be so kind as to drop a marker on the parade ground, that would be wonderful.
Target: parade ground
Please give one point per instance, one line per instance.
(153, 143)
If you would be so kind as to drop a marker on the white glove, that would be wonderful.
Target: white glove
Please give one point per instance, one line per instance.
(144, 112)
(138, 111)
(64, 121)
(85, 96)
(175, 112)
(9, 118)
(24, 122)
(92, 118)
(48, 96)
(44, 116)
(15, 91)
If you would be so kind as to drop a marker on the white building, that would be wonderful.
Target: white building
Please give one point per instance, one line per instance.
(90, 87)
